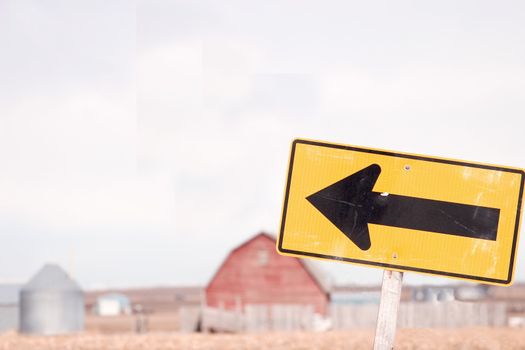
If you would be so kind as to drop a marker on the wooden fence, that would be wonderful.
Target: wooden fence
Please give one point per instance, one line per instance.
(256, 318)
(450, 314)
(279, 317)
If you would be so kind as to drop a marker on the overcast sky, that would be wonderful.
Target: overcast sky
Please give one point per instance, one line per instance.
(140, 142)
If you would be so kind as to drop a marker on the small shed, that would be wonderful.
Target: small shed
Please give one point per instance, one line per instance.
(9, 306)
(254, 274)
(51, 303)
(112, 304)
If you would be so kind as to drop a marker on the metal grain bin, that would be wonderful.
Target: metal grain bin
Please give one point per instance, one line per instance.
(9, 306)
(51, 303)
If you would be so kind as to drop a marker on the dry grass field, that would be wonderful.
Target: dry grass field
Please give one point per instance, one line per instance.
(407, 339)
(159, 322)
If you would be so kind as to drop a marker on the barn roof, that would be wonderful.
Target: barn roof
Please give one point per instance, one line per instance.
(320, 277)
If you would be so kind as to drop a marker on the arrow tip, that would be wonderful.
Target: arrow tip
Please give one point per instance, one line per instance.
(347, 204)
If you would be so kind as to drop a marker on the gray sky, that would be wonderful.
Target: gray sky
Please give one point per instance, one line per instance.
(140, 142)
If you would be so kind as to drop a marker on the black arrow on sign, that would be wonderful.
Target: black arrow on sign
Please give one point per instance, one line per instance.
(351, 205)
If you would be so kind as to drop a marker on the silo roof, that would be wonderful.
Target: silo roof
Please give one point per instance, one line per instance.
(51, 277)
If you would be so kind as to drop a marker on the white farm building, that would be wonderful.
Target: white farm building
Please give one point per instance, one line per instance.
(112, 304)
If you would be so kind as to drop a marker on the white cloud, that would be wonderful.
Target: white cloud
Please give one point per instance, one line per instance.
(67, 135)
(178, 150)
(83, 203)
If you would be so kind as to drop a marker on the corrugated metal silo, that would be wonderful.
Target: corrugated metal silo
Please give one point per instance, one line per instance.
(51, 303)
(9, 306)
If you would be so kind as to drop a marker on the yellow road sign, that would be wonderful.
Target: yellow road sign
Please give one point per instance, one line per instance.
(402, 211)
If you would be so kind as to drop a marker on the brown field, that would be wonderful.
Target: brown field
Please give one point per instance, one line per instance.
(158, 322)
(408, 339)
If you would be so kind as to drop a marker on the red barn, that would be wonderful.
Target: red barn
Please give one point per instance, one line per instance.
(253, 273)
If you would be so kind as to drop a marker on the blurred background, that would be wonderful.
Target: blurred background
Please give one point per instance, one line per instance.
(140, 142)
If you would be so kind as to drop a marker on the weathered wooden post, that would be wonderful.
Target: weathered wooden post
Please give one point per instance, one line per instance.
(388, 307)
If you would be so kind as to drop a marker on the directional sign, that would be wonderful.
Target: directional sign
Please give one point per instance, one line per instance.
(402, 211)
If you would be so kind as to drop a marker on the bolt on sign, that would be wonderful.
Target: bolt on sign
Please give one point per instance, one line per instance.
(402, 211)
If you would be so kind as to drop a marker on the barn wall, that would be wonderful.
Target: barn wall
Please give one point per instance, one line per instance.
(255, 274)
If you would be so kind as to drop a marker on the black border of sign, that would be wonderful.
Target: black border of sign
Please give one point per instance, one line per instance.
(407, 156)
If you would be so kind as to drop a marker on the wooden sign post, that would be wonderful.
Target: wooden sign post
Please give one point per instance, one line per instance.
(388, 307)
